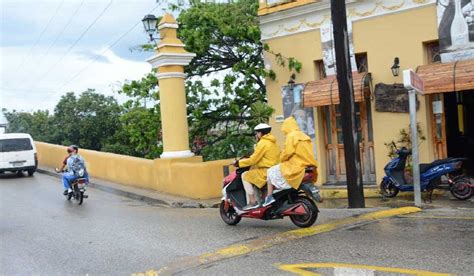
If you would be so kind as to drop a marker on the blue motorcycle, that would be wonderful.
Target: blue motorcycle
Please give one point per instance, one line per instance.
(430, 176)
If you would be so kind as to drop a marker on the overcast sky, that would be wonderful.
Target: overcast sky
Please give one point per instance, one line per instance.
(43, 55)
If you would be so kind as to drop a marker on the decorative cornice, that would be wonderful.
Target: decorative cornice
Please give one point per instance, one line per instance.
(297, 11)
(170, 75)
(168, 25)
(164, 59)
(176, 154)
(313, 16)
(181, 45)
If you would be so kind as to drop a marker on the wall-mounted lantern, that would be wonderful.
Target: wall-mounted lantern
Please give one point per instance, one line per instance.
(396, 67)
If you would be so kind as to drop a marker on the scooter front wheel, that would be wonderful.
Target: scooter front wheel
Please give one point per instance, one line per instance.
(462, 189)
(388, 189)
(228, 214)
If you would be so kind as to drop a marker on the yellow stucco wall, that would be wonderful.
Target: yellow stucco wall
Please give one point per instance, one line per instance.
(307, 49)
(189, 177)
(383, 38)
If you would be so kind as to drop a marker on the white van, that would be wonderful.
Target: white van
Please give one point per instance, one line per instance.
(17, 153)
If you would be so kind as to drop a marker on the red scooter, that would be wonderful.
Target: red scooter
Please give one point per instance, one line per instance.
(299, 204)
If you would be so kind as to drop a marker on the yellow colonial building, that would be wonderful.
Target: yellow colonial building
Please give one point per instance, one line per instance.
(436, 40)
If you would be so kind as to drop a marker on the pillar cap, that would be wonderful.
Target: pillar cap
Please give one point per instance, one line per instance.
(167, 59)
(168, 22)
(177, 154)
(167, 19)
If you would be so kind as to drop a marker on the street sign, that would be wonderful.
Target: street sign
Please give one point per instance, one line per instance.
(412, 81)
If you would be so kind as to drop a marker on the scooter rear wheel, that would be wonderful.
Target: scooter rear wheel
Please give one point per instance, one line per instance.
(304, 221)
(462, 189)
(229, 216)
(388, 189)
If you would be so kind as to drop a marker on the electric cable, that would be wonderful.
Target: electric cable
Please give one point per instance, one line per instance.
(40, 36)
(64, 28)
(56, 40)
(76, 42)
(58, 90)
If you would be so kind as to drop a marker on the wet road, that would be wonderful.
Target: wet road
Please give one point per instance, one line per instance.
(437, 240)
(42, 233)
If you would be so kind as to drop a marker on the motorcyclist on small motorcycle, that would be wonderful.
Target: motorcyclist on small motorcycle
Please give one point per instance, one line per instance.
(266, 154)
(76, 168)
(295, 158)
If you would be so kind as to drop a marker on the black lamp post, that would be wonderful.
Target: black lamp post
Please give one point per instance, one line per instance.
(150, 23)
(396, 67)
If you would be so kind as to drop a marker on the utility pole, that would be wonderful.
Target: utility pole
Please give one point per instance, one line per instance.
(414, 84)
(355, 187)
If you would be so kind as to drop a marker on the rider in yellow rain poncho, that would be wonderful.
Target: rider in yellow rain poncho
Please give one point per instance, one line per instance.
(295, 157)
(266, 154)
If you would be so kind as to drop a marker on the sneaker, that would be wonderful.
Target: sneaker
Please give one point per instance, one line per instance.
(268, 200)
(65, 192)
(69, 190)
(250, 206)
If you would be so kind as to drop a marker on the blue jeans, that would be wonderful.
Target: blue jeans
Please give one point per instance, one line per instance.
(68, 179)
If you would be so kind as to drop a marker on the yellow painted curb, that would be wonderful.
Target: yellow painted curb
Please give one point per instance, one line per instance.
(437, 217)
(269, 241)
(299, 269)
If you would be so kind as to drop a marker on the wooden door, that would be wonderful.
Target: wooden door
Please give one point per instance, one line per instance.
(335, 146)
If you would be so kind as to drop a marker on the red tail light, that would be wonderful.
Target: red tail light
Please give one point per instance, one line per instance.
(310, 175)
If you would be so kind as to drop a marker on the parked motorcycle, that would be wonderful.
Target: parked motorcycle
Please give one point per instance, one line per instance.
(394, 181)
(299, 204)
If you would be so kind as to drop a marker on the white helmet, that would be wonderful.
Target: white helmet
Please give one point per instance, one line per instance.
(262, 127)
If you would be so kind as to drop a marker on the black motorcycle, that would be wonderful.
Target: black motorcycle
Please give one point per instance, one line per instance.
(78, 187)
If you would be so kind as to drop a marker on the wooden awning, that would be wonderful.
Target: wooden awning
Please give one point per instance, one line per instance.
(326, 91)
(447, 77)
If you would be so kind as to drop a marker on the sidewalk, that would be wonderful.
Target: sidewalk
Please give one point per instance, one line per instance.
(159, 198)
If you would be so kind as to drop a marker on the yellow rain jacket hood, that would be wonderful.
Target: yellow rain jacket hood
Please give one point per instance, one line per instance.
(297, 154)
(266, 155)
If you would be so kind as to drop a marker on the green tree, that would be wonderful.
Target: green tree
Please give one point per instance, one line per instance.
(89, 120)
(38, 124)
(226, 40)
(225, 88)
(140, 124)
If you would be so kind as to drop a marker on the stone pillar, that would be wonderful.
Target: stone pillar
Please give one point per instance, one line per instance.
(170, 59)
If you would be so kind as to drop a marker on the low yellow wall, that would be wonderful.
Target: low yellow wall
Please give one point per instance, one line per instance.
(188, 177)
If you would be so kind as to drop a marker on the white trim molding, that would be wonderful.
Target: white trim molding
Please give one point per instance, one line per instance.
(168, 25)
(164, 59)
(171, 75)
(313, 16)
(170, 45)
(176, 154)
